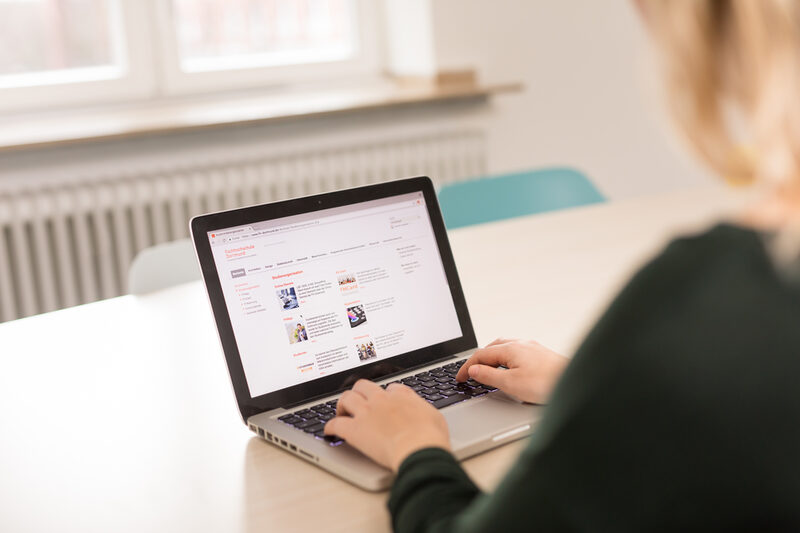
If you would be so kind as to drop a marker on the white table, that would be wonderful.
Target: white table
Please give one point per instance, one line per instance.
(118, 415)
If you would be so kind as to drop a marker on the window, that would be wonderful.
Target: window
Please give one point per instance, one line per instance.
(62, 52)
(59, 52)
(217, 35)
(217, 44)
(46, 41)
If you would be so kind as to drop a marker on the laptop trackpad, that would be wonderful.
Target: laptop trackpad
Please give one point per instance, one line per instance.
(487, 417)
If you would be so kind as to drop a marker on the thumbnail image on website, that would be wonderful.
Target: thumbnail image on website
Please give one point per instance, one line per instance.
(319, 293)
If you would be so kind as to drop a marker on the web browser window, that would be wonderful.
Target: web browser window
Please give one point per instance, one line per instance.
(319, 293)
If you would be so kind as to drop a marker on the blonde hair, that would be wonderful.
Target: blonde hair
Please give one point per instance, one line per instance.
(733, 76)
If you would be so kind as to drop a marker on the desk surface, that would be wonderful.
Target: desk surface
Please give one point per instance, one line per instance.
(118, 415)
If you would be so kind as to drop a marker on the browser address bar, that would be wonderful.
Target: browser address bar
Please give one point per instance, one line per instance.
(288, 227)
(330, 220)
(298, 225)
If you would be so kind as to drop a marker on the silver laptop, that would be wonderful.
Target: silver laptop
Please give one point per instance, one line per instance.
(311, 294)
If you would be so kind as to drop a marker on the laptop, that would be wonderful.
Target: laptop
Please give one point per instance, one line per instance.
(311, 294)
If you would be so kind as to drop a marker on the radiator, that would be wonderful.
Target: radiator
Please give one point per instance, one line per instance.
(71, 241)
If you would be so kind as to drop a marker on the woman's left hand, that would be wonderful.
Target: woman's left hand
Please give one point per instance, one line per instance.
(387, 425)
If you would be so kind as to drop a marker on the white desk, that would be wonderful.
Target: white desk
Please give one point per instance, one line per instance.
(118, 415)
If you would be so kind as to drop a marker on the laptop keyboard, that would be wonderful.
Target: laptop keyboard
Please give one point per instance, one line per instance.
(438, 387)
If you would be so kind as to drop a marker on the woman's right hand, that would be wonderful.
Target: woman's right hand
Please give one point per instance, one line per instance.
(531, 372)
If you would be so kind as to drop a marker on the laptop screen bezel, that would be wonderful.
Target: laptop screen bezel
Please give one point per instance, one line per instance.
(327, 385)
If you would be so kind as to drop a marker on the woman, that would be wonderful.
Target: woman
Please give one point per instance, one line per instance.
(681, 409)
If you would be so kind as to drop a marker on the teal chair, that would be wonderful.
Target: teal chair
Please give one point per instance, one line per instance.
(513, 195)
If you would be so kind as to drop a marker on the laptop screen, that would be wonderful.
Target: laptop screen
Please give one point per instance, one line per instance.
(314, 294)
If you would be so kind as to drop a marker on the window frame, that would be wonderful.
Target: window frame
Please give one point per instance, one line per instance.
(177, 82)
(151, 67)
(136, 80)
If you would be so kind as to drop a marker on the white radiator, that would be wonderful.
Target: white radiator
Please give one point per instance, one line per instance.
(71, 241)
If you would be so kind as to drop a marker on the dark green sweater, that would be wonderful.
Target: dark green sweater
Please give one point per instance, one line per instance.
(680, 411)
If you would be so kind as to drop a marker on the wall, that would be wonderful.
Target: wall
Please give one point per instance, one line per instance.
(591, 97)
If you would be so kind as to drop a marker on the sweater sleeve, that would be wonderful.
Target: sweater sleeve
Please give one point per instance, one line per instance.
(431, 488)
(588, 449)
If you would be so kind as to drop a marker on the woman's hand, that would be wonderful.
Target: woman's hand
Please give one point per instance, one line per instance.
(531, 372)
(387, 425)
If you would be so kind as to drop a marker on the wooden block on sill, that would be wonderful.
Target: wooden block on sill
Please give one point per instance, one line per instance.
(443, 79)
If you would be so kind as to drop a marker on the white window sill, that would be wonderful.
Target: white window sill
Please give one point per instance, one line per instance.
(146, 119)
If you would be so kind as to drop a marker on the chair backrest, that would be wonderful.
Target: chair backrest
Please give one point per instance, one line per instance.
(512, 195)
(162, 266)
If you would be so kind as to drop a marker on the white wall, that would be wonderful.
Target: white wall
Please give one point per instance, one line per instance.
(591, 93)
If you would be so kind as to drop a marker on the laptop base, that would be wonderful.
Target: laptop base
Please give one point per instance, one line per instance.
(475, 425)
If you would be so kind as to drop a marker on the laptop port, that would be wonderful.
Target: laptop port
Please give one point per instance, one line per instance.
(293, 447)
(269, 435)
(283, 443)
(261, 432)
(302, 452)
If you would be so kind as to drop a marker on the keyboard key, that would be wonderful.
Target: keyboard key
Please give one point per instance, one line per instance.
(306, 423)
(427, 390)
(305, 413)
(449, 400)
(448, 392)
(313, 429)
(285, 417)
(333, 440)
(478, 391)
(433, 397)
(445, 386)
(292, 420)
